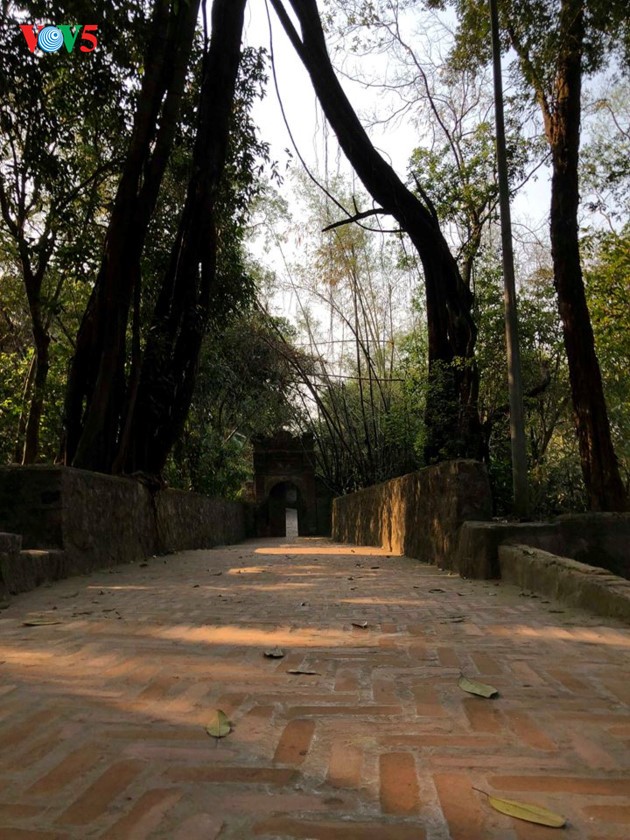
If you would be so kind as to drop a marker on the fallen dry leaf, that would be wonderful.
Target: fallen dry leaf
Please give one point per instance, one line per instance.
(525, 811)
(303, 671)
(40, 622)
(219, 725)
(478, 688)
(274, 653)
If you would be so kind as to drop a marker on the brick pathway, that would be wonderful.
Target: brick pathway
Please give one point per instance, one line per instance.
(102, 715)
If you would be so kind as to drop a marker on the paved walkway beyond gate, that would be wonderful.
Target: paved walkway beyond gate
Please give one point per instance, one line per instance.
(360, 732)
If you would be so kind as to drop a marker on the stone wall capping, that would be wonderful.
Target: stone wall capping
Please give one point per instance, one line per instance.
(566, 580)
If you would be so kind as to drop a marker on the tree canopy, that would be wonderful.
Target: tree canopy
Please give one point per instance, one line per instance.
(139, 331)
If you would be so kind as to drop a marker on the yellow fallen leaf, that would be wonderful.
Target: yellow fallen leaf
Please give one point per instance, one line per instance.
(528, 812)
(219, 725)
(478, 688)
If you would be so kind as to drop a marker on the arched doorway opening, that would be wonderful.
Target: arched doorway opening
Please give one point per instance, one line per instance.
(285, 510)
(284, 464)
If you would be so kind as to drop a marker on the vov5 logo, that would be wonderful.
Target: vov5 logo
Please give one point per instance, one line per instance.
(51, 38)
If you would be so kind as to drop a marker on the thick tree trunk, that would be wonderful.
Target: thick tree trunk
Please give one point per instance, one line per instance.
(35, 390)
(599, 464)
(451, 415)
(38, 394)
(95, 397)
(180, 319)
(18, 451)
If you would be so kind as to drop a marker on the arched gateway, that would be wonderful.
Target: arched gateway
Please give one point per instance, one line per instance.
(284, 477)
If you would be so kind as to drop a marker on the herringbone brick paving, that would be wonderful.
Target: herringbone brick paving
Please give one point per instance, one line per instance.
(102, 715)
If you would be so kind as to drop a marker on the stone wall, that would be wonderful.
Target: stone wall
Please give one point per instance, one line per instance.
(104, 520)
(442, 515)
(184, 517)
(99, 520)
(419, 514)
(597, 539)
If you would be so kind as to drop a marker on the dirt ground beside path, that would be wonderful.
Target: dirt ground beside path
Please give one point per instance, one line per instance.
(103, 714)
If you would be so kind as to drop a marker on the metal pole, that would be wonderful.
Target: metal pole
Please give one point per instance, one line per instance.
(515, 383)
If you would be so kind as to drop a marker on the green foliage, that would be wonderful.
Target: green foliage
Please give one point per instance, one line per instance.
(607, 276)
(556, 482)
(457, 185)
(14, 367)
(243, 181)
(353, 290)
(459, 176)
(556, 485)
(538, 26)
(365, 403)
(413, 369)
(16, 355)
(243, 386)
(247, 160)
(363, 442)
(59, 167)
(605, 156)
(63, 121)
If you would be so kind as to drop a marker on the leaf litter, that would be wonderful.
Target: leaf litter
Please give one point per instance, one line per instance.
(303, 672)
(219, 725)
(478, 688)
(40, 621)
(525, 811)
(274, 653)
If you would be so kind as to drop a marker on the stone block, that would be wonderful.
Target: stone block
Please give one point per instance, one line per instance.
(567, 580)
(10, 547)
(31, 504)
(31, 567)
(477, 550)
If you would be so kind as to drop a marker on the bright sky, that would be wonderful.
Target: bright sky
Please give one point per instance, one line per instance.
(318, 146)
(300, 103)
(297, 94)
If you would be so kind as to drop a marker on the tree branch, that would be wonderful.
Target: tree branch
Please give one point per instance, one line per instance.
(376, 211)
